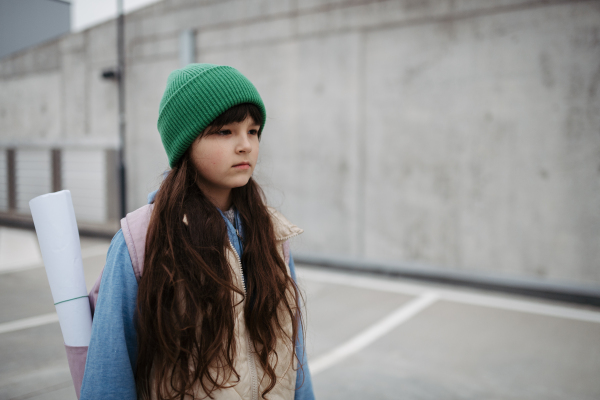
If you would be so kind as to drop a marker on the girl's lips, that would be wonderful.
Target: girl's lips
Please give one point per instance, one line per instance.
(242, 166)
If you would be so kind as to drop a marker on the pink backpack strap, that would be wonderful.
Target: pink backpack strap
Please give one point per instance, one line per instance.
(76, 357)
(135, 227)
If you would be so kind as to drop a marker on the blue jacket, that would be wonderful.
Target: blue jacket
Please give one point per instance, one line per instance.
(111, 358)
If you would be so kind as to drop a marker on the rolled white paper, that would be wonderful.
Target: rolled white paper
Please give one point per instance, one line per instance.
(56, 228)
(75, 321)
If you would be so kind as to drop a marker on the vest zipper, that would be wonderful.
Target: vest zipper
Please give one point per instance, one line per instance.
(250, 345)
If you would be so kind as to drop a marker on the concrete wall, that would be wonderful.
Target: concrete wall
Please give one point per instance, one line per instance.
(461, 134)
(53, 93)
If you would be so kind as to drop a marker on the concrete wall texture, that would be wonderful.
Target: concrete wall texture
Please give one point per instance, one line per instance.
(461, 134)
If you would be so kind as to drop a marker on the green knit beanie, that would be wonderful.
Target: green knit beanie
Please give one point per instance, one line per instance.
(194, 97)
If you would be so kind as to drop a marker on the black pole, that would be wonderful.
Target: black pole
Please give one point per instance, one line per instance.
(121, 83)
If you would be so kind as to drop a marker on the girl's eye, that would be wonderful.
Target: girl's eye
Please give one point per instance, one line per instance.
(224, 132)
(253, 132)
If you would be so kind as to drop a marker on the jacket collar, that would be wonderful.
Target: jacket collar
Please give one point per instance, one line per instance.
(284, 229)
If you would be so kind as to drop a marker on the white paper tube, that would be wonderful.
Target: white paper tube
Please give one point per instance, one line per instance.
(75, 321)
(56, 228)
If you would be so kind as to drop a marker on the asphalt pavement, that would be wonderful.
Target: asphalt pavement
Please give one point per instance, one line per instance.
(368, 336)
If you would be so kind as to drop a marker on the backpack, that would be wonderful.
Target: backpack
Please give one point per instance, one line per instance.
(134, 227)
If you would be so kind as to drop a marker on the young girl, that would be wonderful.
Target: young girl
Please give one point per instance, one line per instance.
(216, 313)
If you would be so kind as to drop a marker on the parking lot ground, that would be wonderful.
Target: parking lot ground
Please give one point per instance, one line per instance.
(368, 337)
(465, 344)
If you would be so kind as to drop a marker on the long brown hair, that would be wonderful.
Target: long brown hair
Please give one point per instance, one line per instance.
(186, 296)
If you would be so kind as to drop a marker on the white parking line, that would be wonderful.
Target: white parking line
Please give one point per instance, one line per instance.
(28, 323)
(522, 306)
(484, 300)
(374, 332)
(86, 252)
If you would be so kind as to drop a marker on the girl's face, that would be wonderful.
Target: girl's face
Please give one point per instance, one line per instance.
(226, 160)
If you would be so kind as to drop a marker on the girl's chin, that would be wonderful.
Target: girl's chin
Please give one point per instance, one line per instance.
(240, 182)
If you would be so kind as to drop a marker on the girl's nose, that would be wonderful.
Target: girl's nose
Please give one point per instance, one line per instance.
(244, 145)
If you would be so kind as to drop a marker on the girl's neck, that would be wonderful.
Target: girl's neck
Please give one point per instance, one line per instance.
(220, 197)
